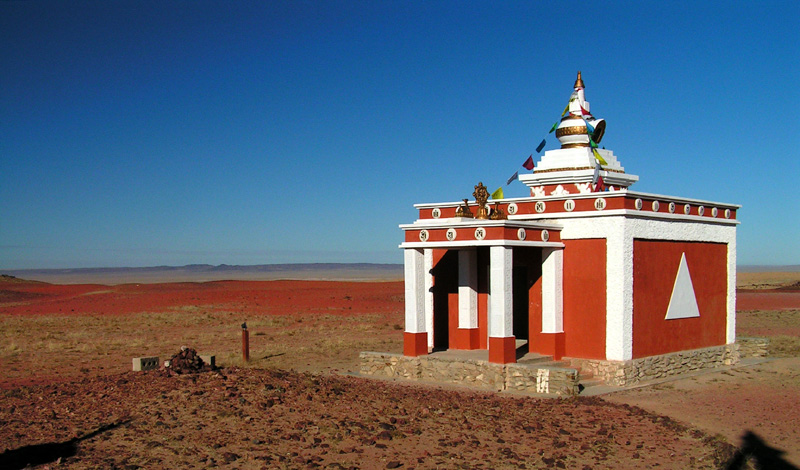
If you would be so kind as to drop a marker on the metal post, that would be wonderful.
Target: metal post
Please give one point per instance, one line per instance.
(245, 343)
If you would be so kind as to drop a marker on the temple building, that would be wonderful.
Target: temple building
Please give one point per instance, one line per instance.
(582, 269)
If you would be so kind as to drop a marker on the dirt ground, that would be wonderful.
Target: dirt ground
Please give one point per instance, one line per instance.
(69, 400)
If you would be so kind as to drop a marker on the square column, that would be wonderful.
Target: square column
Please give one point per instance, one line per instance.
(552, 290)
(552, 339)
(428, 282)
(415, 338)
(467, 332)
(502, 344)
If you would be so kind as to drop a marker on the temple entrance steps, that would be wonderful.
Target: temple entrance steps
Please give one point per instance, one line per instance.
(586, 378)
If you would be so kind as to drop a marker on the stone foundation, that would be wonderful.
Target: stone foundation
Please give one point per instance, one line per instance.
(545, 380)
(621, 373)
(753, 347)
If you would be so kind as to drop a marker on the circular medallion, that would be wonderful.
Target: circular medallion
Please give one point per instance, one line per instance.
(423, 235)
(714, 212)
(687, 208)
(436, 213)
(638, 204)
(451, 234)
(521, 234)
(545, 235)
(540, 206)
(569, 205)
(655, 206)
(727, 213)
(671, 207)
(480, 233)
(599, 203)
(512, 208)
(701, 210)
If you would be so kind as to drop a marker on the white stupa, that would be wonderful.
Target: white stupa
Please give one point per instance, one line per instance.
(571, 169)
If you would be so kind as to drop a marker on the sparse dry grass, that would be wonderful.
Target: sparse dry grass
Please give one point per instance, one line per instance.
(51, 346)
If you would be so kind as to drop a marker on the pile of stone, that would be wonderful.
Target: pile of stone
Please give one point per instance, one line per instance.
(187, 361)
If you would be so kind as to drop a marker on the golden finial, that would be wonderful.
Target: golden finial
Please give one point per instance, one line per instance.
(579, 81)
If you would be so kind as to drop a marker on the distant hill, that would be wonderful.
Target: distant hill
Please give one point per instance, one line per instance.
(207, 272)
(260, 272)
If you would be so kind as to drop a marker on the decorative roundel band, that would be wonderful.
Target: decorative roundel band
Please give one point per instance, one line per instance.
(540, 206)
(512, 208)
(701, 210)
(480, 233)
(521, 234)
(727, 213)
(638, 204)
(655, 206)
(569, 205)
(714, 212)
(423, 235)
(600, 203)
(687, 208)
(437, 212)
(545, 235)
(451, 234)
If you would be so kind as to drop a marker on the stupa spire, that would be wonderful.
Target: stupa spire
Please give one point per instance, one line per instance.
(579, 81)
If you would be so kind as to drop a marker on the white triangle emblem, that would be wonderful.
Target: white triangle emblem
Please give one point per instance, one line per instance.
(682, 303)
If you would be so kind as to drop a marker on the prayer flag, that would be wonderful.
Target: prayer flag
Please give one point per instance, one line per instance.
(541, 146)
(589, 127)
(528, 165)
(554, 126)
(598, 157)
(592, 143)
(498, 194)
(597, 180)
(513, 177)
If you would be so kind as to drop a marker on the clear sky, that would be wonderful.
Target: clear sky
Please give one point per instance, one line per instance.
(141, 133)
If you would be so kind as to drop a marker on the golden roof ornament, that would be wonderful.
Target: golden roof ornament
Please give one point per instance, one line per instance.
(463, 211)
(497, 213)
(481, 195)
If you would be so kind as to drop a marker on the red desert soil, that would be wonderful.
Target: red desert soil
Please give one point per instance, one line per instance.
(67, 391)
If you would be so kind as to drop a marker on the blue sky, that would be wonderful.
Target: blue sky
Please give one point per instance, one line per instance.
(141, 133)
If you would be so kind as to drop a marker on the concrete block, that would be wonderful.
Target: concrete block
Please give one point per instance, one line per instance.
(145, 363)
(209, 359)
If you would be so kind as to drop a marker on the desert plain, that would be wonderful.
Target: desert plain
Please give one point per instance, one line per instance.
(69, 399)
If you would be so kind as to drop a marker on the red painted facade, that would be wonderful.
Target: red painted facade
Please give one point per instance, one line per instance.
(655, 266)
(585, 298)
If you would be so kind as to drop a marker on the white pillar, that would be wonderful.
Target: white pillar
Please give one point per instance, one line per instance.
(428, 285)
(467, 289)
(552, 290)
(415, 290)
(501, 324)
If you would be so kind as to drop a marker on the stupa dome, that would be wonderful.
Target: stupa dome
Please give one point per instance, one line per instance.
(572, 131)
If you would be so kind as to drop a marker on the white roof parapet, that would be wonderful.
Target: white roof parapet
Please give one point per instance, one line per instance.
(471, 222)
(685, 200)
(643, 214)
(476, 243)
(605, 194)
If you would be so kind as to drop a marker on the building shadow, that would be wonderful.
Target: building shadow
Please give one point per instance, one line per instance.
(754, 452)
(39, 454)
